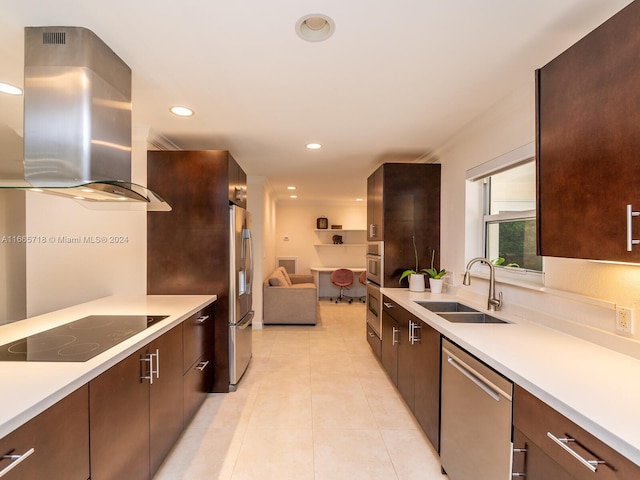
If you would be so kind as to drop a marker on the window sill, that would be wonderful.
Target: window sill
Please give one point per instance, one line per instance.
(513, 276)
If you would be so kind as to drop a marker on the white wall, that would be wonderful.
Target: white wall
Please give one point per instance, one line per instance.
(297, 223)
(262, 207)
(581, 291)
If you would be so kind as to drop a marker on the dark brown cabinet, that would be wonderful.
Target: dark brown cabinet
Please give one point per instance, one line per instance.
(542, 451)
(375, 219)
(588, 109)
(411, 358)
(188, 248)
(135, 410)
(403, 200)
(390, 339)
(59, 437)
(198, 357)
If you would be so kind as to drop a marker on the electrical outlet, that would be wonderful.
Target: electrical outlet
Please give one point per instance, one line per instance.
(624, 319)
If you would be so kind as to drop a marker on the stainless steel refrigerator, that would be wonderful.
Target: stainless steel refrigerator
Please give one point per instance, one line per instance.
(240, 294)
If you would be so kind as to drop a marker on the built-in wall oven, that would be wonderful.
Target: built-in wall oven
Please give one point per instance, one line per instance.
(375, 277)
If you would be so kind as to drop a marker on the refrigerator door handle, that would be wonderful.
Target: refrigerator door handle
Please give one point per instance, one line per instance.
(246, 321)
(248, 240)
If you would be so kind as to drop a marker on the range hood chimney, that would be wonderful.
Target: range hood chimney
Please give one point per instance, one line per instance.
(77, 118)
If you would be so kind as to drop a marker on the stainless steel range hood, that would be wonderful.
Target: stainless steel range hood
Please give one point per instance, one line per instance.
(77, 118)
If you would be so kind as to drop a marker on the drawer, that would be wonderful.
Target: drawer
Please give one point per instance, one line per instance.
(536, 420)
(395, 310)
(374, 341)
(197, 331)
(195, 387)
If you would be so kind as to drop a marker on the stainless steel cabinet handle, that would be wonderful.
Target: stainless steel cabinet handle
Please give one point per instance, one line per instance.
(16, 460)
(394, 337)
(519, 474)
(590, 464)
(202, 365)
(148, 358)
(372, 230)
(630, 241)
(157, 363)
(413, 327)
(388, 305)
(371, 334)
(202, 318)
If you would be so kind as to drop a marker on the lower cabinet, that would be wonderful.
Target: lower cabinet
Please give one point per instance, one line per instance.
(135, 410)
(53, 445)
(547, 445)
(411, 358)
(198, 360)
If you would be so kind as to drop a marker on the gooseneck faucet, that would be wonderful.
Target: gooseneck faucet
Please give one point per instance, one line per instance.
(493, 303)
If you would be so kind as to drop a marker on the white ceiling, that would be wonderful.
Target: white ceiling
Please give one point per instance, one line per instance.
(396, 79)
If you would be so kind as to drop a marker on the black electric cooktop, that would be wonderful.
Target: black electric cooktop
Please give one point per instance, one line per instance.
(77, 341)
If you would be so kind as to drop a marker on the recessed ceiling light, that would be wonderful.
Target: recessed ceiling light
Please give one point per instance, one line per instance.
(315, 27)
(181, 111)
(10, 89)
(291, 187)
(359, 199)
(313, 146)
(293, 196)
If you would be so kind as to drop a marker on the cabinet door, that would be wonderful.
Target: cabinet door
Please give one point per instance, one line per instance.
(390, 335)
(588, 109)
(531, 462)
(59, 437)
(406, 357)
(119, 421)
(165, 396)
(427, 382)
(195, 387)
(237, 184)
(411, 207)
(375, 224)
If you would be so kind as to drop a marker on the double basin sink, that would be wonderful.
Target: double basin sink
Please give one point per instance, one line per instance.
(458, 312)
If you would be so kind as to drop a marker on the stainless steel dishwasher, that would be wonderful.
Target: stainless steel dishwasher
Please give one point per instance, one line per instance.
(475, 435)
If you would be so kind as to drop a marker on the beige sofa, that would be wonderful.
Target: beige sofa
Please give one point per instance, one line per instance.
(289, 299)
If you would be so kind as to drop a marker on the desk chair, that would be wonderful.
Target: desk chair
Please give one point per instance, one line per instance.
(342, 278)
(363, 280)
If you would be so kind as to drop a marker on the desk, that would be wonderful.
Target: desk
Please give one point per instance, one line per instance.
(326, 289)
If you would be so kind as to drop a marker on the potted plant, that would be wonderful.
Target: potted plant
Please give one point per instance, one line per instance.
(416, 277)
(436, 278)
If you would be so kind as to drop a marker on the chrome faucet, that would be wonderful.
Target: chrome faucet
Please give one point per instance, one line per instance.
(493, 303)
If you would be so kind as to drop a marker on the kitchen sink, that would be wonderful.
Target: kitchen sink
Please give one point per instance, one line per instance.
(470, 317)
(446, 307)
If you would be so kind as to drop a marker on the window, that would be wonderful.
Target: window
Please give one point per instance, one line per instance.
(500, 219)
(509, 218)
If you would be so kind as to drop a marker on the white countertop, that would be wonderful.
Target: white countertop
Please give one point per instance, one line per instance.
(597, 388)
(29, 388)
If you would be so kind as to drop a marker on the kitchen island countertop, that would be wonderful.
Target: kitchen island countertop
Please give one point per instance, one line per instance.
(29, 388)
(595, 387)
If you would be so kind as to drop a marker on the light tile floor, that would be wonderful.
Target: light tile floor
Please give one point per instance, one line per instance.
(314, 404)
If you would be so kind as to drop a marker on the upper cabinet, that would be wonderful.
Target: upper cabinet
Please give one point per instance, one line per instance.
(403, 200)
(588, 112)
(237, 184)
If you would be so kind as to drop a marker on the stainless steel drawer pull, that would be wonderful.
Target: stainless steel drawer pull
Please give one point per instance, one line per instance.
(590, 464)
(16, 460)
(394, 337)
(202, 365)
(202, 319)
(389, 305)
(413, 327)
(630, 241)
